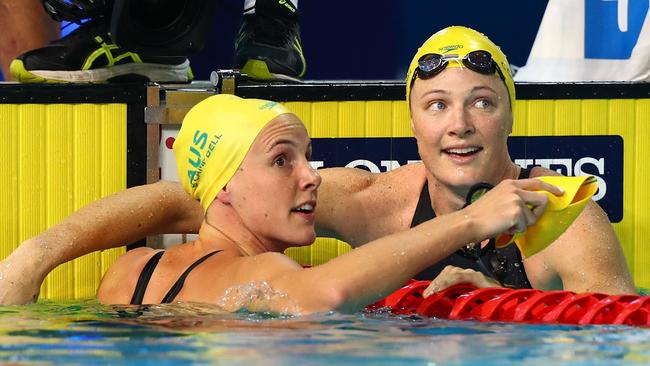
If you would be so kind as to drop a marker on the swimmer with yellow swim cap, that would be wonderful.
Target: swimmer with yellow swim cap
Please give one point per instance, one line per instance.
(461, 96)
(247, 162)
(460, 47)
(460, 102)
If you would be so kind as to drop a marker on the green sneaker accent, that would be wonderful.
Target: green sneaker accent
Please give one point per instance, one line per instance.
(106, 50)
(268, 45)
(88, 55)
(257, 69)
(190, 74)
(298, 47)
(18, 71)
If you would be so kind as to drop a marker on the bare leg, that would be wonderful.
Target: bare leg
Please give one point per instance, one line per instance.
(25, 26)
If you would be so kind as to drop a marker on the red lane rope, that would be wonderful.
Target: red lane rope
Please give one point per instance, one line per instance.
(465, 302)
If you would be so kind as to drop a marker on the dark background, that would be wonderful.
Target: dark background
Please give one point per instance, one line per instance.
(375, 39)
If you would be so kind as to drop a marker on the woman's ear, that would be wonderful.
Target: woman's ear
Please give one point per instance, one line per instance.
(224, 196)
(509, 124)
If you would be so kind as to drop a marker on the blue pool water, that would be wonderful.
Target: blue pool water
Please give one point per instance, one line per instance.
(87, 333)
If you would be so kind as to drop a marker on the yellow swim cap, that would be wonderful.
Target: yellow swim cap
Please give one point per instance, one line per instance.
(559, 214)
(460, 41)
(215, 136)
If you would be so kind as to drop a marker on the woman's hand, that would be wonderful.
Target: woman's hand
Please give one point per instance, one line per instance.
(451, 276)
(510, 207)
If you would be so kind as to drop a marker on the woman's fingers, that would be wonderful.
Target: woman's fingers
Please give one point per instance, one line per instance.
(451, 276)
(536, 203)
(533, 184)
(511, 206)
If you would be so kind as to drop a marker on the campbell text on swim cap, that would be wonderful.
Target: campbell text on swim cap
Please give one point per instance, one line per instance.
(214, 138)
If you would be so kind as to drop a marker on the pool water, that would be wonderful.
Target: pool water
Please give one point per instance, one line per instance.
(85, 333)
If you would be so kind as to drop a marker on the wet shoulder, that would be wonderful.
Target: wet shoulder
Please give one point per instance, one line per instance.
(120, 279)
(260, 267)
(404, 181)
(396, 194)
(353, 180)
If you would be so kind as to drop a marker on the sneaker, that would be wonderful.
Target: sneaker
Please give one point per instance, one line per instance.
(268, 46)
(88, 55)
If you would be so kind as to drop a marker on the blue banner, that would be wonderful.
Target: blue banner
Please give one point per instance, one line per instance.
(600, 156)
(612, 27)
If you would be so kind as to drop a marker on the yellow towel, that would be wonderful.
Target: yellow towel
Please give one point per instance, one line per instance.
(559, 214)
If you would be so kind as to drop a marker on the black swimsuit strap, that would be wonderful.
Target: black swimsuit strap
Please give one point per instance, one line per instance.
(423, 211)
(145, 277)
(525, 173)
(176, 288)
(508, 260)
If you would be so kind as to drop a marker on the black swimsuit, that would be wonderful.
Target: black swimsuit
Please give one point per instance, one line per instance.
(504, 263)
(145, 276)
